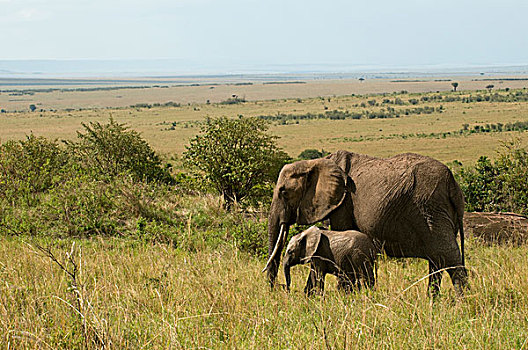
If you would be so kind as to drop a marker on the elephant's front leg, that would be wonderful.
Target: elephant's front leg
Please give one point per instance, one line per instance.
(309, 288)
(315, 282)
(435, 279)
(320, 282)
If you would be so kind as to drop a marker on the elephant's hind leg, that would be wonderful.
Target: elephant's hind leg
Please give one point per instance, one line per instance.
(369, 276)
(452, 262)
(344, 284)
(459, 277)
(443, 253)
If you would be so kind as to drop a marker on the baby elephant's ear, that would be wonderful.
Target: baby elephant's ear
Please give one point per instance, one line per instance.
(312, 237)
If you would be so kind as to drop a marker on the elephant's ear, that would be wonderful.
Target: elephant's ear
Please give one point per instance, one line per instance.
(324, 192)
(312, 237)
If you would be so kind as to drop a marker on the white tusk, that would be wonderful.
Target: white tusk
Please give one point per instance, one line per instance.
(277, 244)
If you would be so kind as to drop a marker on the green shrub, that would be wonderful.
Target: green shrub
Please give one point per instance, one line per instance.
(512, 169)
(82, 206)
(237, 157)
(97, 186)
(233, 100)
(478, 183)
(311, 153)
(251, 236)
(501, 185)
(112, 149)
(29, 167)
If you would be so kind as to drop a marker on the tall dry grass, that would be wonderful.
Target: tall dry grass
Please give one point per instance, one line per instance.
(139, 295)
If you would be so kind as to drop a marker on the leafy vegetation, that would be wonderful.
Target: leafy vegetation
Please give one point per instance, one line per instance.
(111, 149)
(234, 100)
(153, 105)
(96, 185)
(109, 182)
(237, 157)
(384, 113)
(500, 185)
(312, 154)
(466, 130)
(30, 167)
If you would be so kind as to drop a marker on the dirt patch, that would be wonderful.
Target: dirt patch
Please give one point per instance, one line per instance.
(497, 228)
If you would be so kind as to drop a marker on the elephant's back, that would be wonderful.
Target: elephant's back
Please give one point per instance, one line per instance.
(351, 246)
(390, 190)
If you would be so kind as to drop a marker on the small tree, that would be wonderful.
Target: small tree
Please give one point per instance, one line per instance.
(490, 87)
(237, 157)
(32, 107)
(455, 85)
(311, 153)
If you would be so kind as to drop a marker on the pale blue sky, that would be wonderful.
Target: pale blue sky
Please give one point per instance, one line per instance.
(367, 32)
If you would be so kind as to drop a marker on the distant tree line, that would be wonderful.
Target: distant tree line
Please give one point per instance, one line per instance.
(149, 105)
(466, 130)
(283, 119)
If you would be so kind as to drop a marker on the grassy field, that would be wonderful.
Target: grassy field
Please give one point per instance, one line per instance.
(133, 295)
(168, 129)
(199, 90)
(139, 293)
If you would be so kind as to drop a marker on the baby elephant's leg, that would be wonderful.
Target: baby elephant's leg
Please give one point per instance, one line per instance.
(316, 280)
(344, 283)
(369, 275)
(309, 289)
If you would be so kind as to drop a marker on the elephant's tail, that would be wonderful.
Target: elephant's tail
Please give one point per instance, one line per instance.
(457, 200)
(461, 229)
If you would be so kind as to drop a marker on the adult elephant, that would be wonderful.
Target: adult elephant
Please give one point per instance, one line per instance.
(409, 203)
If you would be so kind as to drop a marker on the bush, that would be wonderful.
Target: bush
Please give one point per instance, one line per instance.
(500, 185)
(312, 154)
(84, 205)
(251, 236)
(478, 185)
(233, 100)
(112, 149)
(237, 157)
(100, 184)
(29, 167)
(92, 187)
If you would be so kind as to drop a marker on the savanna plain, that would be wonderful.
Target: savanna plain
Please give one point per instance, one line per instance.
(182, 272)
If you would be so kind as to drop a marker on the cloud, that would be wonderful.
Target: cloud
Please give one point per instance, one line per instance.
(20, 12)
(28, 14)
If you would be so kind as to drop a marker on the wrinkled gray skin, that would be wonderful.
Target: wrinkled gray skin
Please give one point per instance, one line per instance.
(349, 255)
(410, 203)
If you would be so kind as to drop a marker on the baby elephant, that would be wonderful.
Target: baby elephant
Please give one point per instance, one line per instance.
(349, 255)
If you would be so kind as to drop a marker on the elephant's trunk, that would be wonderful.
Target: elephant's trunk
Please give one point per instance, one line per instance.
(276, 221)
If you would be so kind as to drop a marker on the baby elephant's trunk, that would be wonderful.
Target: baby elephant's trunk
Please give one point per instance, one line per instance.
(287, 274)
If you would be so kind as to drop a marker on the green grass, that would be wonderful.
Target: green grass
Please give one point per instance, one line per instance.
(155, 296)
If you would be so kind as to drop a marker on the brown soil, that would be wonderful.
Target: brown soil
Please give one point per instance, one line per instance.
(497, 228)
